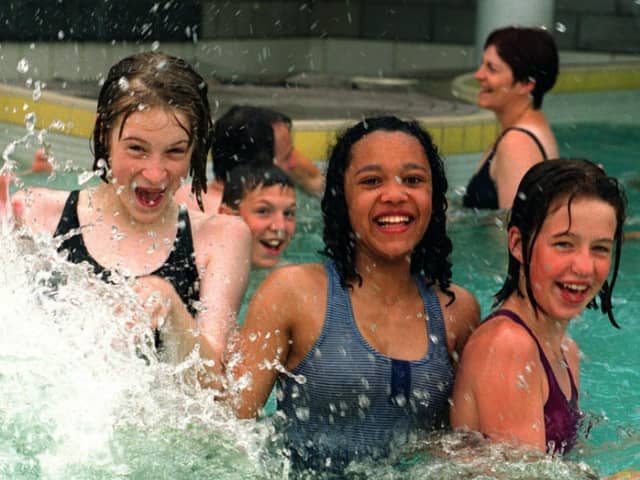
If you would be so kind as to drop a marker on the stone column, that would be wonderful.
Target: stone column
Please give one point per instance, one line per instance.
(492, 14)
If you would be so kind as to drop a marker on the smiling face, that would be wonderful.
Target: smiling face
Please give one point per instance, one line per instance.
(149, 156)
(571, 256)
(270, 213)
(388, 193)
(497, 86)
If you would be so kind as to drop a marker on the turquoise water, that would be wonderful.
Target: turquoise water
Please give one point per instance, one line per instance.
(179, 444)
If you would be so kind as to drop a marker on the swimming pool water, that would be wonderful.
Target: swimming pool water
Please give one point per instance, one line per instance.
(610, 375)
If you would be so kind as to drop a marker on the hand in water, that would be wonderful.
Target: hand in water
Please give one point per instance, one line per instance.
(156, 297)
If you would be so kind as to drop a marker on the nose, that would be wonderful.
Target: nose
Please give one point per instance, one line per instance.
(155, 171)
(478, 74)
(278, 222)
(583, 263)
(394, 192)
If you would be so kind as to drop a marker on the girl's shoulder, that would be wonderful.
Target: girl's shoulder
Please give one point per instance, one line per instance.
(39, 208)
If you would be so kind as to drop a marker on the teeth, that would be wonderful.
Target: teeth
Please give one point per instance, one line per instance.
(394, 219)
(573, 286)
(273, 243)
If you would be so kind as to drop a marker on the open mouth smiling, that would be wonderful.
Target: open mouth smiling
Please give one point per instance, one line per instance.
(149, 197)
(390, 220)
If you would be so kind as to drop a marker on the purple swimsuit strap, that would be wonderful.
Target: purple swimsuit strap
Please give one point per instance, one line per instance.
(543, 358)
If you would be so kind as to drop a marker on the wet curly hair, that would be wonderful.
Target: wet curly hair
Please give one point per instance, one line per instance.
(430, 256)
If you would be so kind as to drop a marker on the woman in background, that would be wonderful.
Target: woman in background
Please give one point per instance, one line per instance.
(519, 66)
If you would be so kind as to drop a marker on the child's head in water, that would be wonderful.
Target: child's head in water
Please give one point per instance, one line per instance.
(147, 82)
(266, 199)
(556, 186)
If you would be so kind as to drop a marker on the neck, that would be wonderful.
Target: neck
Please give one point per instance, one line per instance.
(515, 113)
(389, 280)
(549, 332)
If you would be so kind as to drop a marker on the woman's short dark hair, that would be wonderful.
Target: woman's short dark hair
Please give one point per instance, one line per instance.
(154, 79)
(241, 138)
(543, 185)
(246, 178)
(532, 55)
(430, 257)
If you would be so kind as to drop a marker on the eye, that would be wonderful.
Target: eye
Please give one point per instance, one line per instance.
(262, 211)
(177, 151)
(369, 181)
(563, 245)
(414, 180)
(603, 249)
(290, 214)
(136, 149)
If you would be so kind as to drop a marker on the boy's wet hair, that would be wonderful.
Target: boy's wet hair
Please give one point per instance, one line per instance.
(153, 79)
(246, 178)
(241, 138)
(430, 257)
(532, 55)
(543, 185)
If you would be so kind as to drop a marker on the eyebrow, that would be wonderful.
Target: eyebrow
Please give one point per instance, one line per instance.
(404, 168)
(142, 140)
(573, 235)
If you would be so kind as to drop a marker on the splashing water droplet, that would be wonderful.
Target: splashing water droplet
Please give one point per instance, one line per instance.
(60, 35)
(37, 92)
(30, 121)
(155, 46)
(23, 66)
(561, 27)
(123, 83)
(84, 177)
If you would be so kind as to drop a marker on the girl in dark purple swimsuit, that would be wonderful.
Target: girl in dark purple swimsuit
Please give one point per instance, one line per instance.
(519, 373)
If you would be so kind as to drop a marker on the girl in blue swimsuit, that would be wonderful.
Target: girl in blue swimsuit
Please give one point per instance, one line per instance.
(519, 373)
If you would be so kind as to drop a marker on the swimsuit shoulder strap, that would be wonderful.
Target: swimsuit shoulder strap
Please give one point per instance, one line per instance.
(543, 358)
(69, 218)
(527, 132)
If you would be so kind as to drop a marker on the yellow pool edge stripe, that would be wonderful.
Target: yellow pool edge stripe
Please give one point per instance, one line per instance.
(452, 134)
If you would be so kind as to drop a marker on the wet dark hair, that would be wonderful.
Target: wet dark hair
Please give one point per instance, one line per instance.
(531, 53)
(543, 185)
(246, 178)
(430, 256)
(241, 138)
(148, 80)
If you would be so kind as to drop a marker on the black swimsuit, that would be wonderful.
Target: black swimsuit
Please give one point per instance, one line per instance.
(179, 268)
(481, 189)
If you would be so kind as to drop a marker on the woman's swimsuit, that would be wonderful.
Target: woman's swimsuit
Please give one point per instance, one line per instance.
(561, 416)
(355, 402)
(481, 190)
(179, 268)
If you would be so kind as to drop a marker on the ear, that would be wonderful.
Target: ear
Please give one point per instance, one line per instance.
(514, 238)
(526, 87)
(226, 210)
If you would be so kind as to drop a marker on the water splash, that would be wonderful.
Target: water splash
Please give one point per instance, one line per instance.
(82, 393)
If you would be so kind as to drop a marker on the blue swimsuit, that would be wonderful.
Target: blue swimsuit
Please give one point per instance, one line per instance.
(356, 403)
